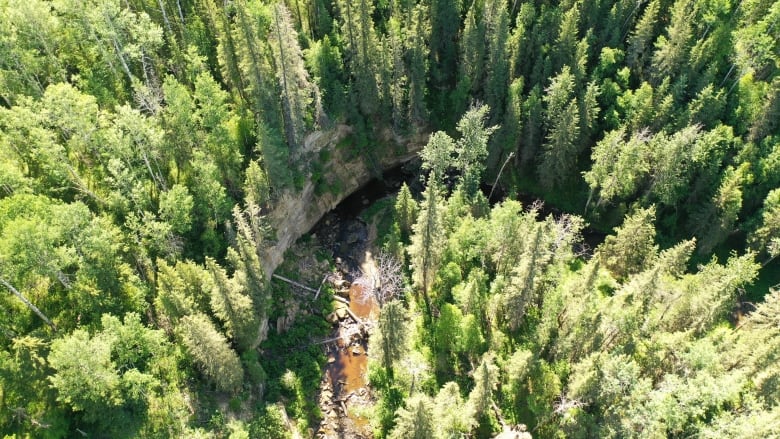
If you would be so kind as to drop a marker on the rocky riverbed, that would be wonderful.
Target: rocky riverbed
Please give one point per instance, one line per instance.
(345, 395)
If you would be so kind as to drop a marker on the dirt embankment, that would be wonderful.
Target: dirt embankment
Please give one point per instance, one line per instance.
(295, 213)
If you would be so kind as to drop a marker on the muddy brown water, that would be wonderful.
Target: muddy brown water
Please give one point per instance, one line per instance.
(347, 370)
(345, 235)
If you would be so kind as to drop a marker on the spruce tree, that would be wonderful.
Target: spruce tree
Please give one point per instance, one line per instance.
(232, 306)
(211, 353)
(390, 340)
(415, 421)
(405, 210)
(298, 94)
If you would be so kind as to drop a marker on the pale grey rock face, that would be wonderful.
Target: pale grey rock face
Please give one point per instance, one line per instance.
(296, 213)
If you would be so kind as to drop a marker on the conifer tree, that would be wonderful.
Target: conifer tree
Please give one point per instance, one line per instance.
(172, 301)
(672, 50)
(670, 161)
(706, 298)
(497, 68)
(298, 94)
(471, 149)
(418, 65)
(390, 340)
(445, 22)
(766, 238)
(717, 219)
(211, 353)
(227, 51)
(618, 168)
(256, 185)
(522, 288)
(632, 246)
(566, 41)
(396, 78)
(472, 57)
(362, 46)
(562, 119)
(481, 396)
(425, 250)
(509, 136)
(249, 273)
(449, 409)
(405, 210)
(437, 156)
(415, 421)
(520, 40)
(533, 116)
(231, 304)
(640, 38)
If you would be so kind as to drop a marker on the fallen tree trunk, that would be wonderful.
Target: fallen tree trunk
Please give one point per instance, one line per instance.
(292, 282)
(28, 303)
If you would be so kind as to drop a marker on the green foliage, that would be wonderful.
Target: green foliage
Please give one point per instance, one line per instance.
(415, 421)
(632, 247)
(405, 210)
(176, 207)
(111, 380)
(390, 338)
(86, 378)
(767, 237)
(232, 306)
(471, 148)
(129, 130)
(268, 424)
(210, 352)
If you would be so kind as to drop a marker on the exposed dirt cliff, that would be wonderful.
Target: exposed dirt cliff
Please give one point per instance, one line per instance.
(295, 213)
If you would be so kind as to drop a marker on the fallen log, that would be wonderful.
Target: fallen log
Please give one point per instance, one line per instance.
(324, 278)
(29, 304)
(354, 317)
(292, 282)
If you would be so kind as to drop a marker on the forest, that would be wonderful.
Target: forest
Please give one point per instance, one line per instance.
(588, 245)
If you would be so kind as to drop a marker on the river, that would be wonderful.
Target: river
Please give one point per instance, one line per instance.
(345, 397)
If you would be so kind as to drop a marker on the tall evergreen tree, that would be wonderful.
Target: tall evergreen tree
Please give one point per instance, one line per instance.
(445, 22)
(481, 396)
(405, 210)
(415, 421)
(472, 150)
(425, 250)
(362, 50)
(298, 93)
(639, 40)
(497, 68)
(391, 338)
(211, 352)
(562, 119)
(418, 65)
(231, 305)
(633, 245)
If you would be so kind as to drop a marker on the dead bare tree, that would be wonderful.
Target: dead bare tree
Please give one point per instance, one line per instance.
(385, 282)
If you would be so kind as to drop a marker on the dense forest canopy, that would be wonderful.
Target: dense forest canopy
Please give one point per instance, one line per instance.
(143, 142)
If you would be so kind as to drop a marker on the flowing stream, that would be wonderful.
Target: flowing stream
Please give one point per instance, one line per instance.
(345, 397)
(344, 393)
